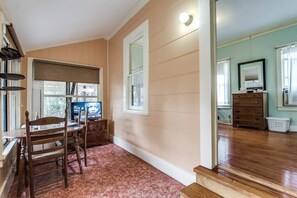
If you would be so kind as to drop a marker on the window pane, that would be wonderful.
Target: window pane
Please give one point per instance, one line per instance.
(54, 106)
(136, 56)
(54, 88)
(85, 89)
(136, 86)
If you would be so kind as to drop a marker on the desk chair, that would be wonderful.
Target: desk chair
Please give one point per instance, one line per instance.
(50, 132)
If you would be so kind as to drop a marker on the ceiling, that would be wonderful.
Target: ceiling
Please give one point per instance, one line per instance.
(241, 18)
(45, 23)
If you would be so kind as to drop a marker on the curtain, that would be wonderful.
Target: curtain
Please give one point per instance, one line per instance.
(291, 62)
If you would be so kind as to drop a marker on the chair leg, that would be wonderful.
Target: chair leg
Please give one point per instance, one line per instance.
(31, 180)
(65, 172)
(85, 154)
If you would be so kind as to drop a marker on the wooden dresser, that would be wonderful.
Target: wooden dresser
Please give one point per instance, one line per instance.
(250, 110)
(97, 132)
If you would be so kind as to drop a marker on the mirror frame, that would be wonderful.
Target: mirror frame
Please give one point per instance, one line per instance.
(260, 63)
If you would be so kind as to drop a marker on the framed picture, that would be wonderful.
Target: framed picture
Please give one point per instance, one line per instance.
(251, 75)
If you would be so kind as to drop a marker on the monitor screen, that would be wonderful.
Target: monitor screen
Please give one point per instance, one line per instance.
(95, 109)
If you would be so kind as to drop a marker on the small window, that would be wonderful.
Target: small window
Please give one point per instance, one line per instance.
(136, 71)
(223, 83)
(287, 65)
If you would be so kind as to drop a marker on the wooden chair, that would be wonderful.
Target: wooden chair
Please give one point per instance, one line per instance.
(50, 130)
(81, 141)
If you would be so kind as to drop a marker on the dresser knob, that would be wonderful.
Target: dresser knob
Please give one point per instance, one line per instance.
(255, 102)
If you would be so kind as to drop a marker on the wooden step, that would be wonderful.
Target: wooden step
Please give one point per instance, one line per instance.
(195, 190)
(261, 181)
(230, 185)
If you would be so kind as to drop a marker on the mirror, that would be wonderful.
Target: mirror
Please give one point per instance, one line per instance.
(251, 75)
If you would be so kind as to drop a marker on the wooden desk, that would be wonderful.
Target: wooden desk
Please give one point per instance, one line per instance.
(21, 135)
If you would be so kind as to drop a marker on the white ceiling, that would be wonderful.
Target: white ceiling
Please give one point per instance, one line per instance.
(241, 18)
(45, 23)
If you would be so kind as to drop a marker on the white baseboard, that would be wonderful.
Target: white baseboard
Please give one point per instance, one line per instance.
(178, 174)
(293, 128)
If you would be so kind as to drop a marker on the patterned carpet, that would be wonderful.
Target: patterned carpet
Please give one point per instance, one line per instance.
(111, 172)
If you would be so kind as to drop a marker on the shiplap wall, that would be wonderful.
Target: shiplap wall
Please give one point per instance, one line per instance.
(171, 130)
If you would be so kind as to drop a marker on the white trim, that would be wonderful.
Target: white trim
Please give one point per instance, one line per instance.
(139, 5)
(140, 31)
(179, 174)
(293, 128)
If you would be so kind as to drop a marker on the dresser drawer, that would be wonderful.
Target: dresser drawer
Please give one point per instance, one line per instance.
(249, 95)
(248, 102)
(248, 111)
(248, 118)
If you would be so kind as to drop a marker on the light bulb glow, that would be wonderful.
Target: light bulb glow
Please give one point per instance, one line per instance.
(184, 17)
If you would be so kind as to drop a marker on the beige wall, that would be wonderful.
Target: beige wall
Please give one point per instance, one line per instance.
(92, 53)
(171, 131)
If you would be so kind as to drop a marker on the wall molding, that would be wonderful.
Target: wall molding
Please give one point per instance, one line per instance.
(178, 174)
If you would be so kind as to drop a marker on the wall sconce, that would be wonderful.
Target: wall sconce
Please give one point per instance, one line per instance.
(185, 18)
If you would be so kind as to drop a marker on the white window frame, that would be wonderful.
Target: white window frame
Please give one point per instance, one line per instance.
(279, 72)
(140, 31)
(221, 106)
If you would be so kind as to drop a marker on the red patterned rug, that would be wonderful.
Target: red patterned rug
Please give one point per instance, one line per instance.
(111, 172)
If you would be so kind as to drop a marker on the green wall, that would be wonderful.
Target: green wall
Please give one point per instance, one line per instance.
(258, 48)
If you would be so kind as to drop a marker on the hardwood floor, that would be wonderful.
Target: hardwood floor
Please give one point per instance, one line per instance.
(267, 155)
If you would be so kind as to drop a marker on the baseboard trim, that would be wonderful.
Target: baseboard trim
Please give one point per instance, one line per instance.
(178, 174)
(293, 128)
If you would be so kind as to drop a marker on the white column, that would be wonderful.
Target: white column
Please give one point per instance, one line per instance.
(207, 61)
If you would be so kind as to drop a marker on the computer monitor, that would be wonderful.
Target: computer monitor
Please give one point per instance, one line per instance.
(94, 109)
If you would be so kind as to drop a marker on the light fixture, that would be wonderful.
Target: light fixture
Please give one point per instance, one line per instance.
(185, 18)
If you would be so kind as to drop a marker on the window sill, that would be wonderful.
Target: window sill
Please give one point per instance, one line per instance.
(137, 112)
(282, 108)
(7, 151)
(224, 107)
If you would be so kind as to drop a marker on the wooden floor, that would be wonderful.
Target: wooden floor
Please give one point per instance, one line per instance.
(268, 155)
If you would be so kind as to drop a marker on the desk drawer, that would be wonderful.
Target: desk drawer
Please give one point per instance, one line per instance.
(248, 102)
(247, 111)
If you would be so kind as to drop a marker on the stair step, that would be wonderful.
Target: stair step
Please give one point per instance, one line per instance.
(230, 185)
(195, 190)
(260, 181)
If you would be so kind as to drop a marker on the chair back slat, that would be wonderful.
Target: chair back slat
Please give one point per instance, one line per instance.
(52, 131)
(46, 121)
(47, 140)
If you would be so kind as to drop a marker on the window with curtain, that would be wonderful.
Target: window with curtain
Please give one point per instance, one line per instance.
(56, 85)
(223, 83)
(288, 67)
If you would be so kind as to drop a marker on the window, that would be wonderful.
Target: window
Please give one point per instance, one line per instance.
(56, 96)
(223, 83)
(287, 69)
(136, 71)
